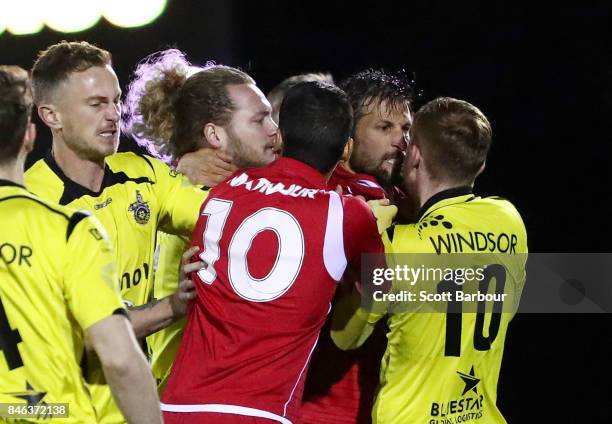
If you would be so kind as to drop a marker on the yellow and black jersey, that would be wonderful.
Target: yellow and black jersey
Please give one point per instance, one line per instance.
(443, 366)
(57, 279)
(163, 345)
(139, 196)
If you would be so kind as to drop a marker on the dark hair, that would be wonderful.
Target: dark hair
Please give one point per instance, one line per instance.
(55, 65)
(315, 120)
(15, 110)
(455, 137)
(376, 86)
(276, 95)
(169, 101)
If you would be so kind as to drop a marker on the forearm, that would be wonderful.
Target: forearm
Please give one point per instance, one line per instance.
(125, 368)
(351, 325)
(134, 390)
(152, 317)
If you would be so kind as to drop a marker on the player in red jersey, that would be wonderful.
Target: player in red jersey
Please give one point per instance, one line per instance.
(340, 385)
(275, 244)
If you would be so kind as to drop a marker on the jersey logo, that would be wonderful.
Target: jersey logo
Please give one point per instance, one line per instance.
(103, 204)
(141, 210)
(434, 221)
(30, 395)
(470, 381)
(466, 409)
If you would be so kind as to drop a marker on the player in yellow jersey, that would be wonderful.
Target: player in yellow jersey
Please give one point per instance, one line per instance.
(204, 116)
(78, 97)
(57, 293)
(442, 365)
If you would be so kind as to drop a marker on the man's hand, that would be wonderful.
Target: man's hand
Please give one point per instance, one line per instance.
(207, 167)
(179, 301)
(384, 213)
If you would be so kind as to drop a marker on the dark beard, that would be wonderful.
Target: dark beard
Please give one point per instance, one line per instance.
(383, 177)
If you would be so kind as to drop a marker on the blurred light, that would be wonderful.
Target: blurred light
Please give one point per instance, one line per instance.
(132, 13)
(29, 16)
(22, 17)
(71, 15)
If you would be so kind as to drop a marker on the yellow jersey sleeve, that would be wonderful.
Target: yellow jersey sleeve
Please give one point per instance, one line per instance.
(163, 345)
(90, 283)
(179, 200)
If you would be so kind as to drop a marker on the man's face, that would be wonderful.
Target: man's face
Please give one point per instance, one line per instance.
(88, 105)
(380, 141)
(252, 132)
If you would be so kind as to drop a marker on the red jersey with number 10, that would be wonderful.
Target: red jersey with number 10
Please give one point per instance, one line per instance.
(275, 243)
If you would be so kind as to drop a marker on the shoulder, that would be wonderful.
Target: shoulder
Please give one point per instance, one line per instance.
(356, 211)
(503, 209)
(139, 165)
(41, 180)
(57, 217)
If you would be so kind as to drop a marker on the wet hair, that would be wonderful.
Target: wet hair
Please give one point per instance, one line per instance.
(315, 120)
(276, 95)
(372, 86)
(15, 110)
(55, 64)
(454, 136)
(170, 100)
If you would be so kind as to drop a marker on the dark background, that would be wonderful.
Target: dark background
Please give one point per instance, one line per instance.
(543, 76)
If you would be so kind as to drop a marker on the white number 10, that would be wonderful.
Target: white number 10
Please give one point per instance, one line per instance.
(289, 257)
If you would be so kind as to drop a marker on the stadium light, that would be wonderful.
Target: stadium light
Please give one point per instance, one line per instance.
(71, 15)
(132, 13)
(22, 17)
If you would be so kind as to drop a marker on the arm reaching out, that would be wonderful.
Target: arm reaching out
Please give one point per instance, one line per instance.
(125, 369)
(153, 316)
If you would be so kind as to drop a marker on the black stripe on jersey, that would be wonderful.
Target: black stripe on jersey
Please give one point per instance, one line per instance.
(391, 232)
(74, 191)
(19, 196)
(442, 195)
(9, 183)
(74, 220)
(148, 161)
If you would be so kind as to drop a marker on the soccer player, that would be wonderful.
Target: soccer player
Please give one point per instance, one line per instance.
(444, 367)
(275, 244)
(57, 292)
(340, 386)
(277, 94)
(78, 97)
(176, 110)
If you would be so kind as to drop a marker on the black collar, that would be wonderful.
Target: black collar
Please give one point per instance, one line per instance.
(9, 183)
(442, 195)
(74, 190)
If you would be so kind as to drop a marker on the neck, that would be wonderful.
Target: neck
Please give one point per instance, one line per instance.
(13, 171)
(346, 165)
(83, 171)
(430, 188)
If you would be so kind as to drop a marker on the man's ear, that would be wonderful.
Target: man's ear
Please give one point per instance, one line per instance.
(29, 137)
(213, 135)
(482, 168)
(413, 156)
(348, 150)
(279, 139)
(50, 116)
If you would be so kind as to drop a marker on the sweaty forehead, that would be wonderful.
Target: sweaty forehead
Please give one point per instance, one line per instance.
(397, 112)
(97, 81)
(248, 98)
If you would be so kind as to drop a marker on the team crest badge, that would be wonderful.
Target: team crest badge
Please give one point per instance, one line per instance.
(141, 210)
